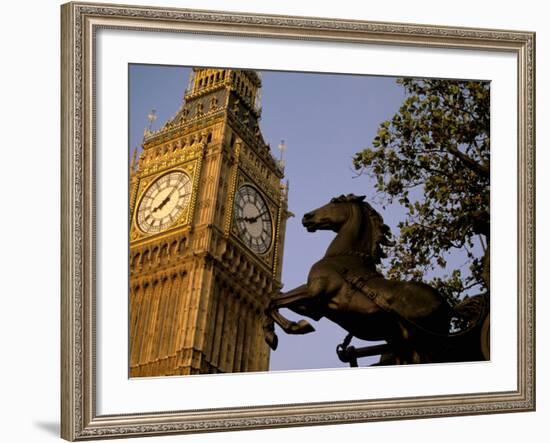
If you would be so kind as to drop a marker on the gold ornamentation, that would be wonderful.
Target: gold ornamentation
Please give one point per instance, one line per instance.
(193, 169)
(232, 189)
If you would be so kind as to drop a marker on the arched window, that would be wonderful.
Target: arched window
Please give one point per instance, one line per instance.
(181, 246)
(135, 260)
(145, 258)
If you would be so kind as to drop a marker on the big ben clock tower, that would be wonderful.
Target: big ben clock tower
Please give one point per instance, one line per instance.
(207, 221)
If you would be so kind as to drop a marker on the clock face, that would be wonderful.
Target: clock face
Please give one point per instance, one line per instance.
(163, 202)
(253, 219)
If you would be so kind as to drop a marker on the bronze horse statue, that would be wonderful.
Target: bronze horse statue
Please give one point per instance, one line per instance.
(345, 286)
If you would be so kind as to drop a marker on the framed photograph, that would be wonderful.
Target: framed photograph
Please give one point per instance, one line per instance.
(256, 206)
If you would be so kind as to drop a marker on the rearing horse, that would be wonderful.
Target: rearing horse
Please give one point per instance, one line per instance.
(345, 287)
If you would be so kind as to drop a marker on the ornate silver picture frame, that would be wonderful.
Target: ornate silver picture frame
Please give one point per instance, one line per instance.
(81, 22)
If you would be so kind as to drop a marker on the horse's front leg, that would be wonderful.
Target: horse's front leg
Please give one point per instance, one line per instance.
(285, 300)
(291, 327)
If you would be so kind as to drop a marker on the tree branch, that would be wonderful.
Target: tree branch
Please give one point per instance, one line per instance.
(470, 163)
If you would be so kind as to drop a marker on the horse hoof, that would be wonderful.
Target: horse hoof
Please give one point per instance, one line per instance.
(272, 340)
(305, 327)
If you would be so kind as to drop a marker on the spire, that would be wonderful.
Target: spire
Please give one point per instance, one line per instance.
(151, 117)
(258, 99)
(190, 82)
(282, 149)
(133, 165)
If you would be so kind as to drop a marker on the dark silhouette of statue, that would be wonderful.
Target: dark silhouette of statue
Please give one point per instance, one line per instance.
(345, 286)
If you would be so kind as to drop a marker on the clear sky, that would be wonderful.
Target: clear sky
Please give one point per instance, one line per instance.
(324, 119)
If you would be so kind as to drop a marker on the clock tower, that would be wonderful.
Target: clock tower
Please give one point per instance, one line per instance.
(207, 219)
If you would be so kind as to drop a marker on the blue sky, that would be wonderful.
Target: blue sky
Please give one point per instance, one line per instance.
(324, 119)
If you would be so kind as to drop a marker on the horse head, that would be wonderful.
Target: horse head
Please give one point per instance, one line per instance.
(359, 226)
(332, 216)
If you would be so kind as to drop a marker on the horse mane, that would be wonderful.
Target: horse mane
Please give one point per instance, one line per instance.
(379, 234)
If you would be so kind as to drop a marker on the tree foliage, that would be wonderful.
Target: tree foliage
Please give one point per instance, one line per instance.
(433, 158)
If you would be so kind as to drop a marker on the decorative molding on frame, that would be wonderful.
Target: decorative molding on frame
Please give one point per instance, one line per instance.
(79, 22)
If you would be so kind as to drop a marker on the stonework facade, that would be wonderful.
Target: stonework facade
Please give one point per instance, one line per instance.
(203, 263)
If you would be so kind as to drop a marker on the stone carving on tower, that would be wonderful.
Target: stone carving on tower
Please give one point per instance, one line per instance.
(208, 212)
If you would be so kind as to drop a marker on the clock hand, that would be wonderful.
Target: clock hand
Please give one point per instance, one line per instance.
(161, 205)
(251, 219)
(167, 199)
(255, 219)
(247, 219)
(172, 191)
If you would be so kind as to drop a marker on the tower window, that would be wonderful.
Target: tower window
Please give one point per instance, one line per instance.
(181, 246)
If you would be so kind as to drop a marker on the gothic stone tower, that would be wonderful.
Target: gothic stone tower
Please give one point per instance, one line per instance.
(208, 215)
